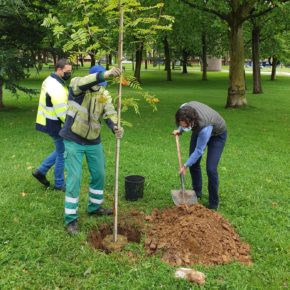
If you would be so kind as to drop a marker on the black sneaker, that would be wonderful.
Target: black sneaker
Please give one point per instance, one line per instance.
(73, 228)
(102, 211)
(41, 178)
(213, 207)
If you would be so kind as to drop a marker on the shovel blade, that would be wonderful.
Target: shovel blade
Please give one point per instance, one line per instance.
(187, 197)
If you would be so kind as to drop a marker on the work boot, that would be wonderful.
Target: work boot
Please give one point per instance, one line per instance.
(102, 212)
(73, 228)
(61, 188)
(41, 178)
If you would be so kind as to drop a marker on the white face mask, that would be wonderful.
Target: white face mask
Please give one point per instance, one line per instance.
(188, 129)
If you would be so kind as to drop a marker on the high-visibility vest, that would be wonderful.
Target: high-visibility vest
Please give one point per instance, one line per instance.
(52, 105)
(86, 117)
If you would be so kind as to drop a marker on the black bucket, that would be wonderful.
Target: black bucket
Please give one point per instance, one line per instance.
(134, 187)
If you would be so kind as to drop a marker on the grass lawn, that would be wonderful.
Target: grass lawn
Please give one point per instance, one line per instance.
(36, 252)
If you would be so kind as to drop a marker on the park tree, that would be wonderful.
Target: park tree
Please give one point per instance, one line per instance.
(264, 37)
(90, 27)
(235, 13)
(183, 39)
(275, 38)
(21, 42)
(192, 37)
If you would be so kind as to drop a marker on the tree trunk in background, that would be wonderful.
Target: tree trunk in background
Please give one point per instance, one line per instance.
(146, 61)
(257, 85)
(167, 59)
(1, 94)
(185, 55)
(54, 59)
(133, 67)
(203, 57)
(236, 91)
(173, 64)
(93, 59)
(81, 58)
(139, 52)
(274, 66)
(107, 61)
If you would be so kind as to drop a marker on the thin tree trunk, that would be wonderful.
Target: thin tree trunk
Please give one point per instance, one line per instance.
(274, 67)
(257, 85)
(154, 58)
(93, 59)
(167, 59)
(1, 94)
(204, 58)
(139, 52)
(236, 91)
(54, 58)
(245, 80)
(133, 67)
(184, 61)
(107, 61)
(81, 58)
(146, 61)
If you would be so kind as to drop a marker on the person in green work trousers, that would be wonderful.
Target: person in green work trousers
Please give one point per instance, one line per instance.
(88, 103)
(50, 118)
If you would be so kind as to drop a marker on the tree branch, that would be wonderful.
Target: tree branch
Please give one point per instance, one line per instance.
(254, 15)
(209, 10)
(261, 13)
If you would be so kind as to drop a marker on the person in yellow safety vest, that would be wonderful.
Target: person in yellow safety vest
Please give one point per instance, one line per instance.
(51, 115)
(89, 102)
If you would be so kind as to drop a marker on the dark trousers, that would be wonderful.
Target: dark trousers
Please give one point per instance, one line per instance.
(215, 148)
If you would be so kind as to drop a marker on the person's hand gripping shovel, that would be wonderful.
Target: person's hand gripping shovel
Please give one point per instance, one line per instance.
(183, 196)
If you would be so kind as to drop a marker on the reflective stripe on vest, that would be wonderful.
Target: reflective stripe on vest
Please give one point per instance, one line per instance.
(86, 116)
(58, 96)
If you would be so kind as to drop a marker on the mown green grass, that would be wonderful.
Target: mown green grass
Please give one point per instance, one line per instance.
(36, 252)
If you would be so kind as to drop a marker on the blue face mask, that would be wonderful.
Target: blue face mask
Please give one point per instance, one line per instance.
(188, 129)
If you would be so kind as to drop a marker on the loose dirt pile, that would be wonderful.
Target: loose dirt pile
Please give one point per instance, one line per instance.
(193, 235)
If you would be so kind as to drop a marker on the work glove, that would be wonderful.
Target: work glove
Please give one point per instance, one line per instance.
(113, 72)
(119, 132)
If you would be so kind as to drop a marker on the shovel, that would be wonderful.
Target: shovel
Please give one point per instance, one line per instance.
(186, 197)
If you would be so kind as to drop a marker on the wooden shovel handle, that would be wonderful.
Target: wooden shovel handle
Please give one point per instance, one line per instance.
(179, 163)
(178, 151)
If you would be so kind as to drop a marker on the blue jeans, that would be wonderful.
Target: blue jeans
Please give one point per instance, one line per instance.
(55, 158)
(215, 148)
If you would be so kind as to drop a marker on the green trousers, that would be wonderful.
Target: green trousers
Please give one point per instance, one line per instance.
(73, 156)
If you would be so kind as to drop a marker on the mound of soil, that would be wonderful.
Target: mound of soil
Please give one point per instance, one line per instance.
(193, 235)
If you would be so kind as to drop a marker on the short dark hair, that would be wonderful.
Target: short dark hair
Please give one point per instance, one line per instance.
(188, 115)
(61, 63)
